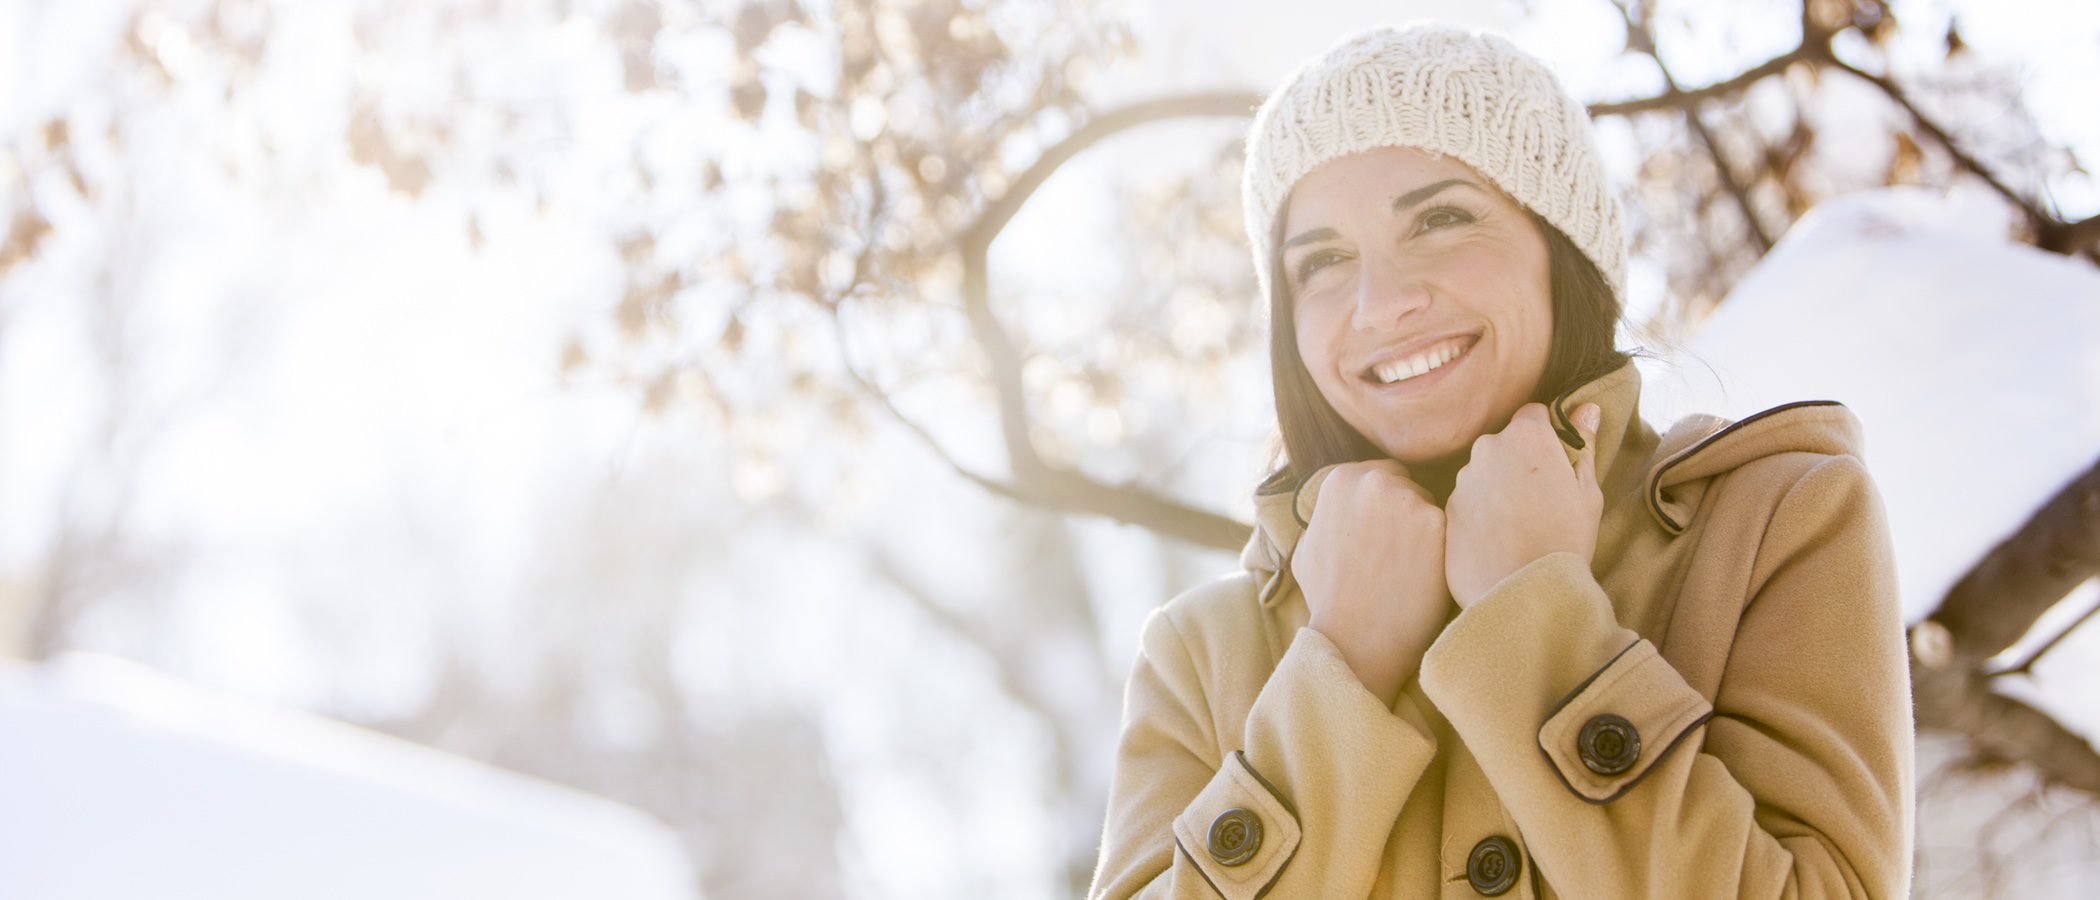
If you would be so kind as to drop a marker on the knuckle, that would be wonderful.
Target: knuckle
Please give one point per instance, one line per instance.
(1337, 480)
(1385, 474)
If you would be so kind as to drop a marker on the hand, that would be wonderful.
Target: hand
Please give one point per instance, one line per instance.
(1517, 500)
(1371, 565)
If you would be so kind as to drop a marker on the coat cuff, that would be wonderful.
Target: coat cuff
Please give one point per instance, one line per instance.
(1538, 671)
(1317, 729)
(1239, 831)
(1611, 730)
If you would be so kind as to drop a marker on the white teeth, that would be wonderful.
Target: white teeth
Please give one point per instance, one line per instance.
(1401, 370)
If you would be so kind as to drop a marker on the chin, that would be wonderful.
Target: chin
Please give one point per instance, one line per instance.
(1423, 452)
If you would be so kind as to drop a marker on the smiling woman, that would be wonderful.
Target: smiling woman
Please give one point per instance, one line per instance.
(1417, 378)
(1493, 633)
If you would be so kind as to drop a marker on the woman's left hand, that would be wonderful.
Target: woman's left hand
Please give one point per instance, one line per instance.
(1517, 499)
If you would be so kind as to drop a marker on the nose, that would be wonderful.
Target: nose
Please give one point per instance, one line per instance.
(1385, 295)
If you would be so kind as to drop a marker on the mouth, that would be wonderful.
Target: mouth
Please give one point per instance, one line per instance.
(1420, 369)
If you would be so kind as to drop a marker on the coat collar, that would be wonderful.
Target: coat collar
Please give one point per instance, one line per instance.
(1623, 442)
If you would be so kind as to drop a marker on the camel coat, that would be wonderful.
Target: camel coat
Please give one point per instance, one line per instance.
(1718, 706)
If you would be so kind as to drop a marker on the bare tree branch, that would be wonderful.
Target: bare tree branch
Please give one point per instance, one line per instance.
(911, 426)
(976, 242)
(2026, 666)
(2051, 233)
(1674, 98)
(1960, 701)
(833, 304)
(2035, 216)
(1066, 491)
(2071, 238)
(1988, 610)
(1637, 33)
(1099, 127)
(1034, 479)
(2056, 550)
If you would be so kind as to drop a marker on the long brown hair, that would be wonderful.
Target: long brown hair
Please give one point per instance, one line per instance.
(1585, 318)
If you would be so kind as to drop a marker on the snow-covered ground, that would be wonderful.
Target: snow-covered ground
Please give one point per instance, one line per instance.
(118, 783)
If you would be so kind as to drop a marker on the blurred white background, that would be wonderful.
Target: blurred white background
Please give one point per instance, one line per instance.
(591, 389)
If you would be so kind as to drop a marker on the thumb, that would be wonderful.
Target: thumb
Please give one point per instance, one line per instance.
(1586, 421)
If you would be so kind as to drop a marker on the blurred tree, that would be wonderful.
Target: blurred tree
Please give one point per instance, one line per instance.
(802, 198)
(1716, 188)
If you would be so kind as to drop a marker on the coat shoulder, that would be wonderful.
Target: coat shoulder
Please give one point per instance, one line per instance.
(1775, 447)
(1207, 639)
(1225, 610)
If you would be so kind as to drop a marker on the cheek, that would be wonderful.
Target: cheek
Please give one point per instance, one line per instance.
(1539, 315)
(1315, 346)
(1526, 312)
(1533, 346)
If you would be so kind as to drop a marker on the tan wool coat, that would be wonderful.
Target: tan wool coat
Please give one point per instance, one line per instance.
(1718, 706)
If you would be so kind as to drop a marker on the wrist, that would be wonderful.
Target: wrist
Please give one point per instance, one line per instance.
(1381, 665)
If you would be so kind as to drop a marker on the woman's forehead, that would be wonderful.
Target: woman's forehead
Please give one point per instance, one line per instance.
(1370, 179)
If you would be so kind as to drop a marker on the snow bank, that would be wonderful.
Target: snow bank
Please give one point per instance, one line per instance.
(1973, 361)
(119, 783)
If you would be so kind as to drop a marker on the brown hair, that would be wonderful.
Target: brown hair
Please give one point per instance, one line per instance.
(1585, 317)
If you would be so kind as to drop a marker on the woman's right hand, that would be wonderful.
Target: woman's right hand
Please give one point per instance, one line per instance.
(1371, 565)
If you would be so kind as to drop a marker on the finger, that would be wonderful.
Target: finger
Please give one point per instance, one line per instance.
(1312, 492)
(1391, 466)
(1392, 475)
(1586, 421)
(1531, 415)
(1420, 493)
(1326, 478)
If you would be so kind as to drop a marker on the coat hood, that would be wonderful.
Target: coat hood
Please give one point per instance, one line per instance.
(1666, 473)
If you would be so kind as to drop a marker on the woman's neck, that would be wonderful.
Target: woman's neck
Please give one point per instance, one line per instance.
(1440, 475)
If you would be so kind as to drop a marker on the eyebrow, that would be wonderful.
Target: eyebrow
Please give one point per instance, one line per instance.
(1400, 203)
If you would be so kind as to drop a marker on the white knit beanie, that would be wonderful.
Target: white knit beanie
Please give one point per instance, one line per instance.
(1443, 90)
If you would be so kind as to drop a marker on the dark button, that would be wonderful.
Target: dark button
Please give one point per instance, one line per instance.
(1608, 744)
(1493, 866)
(1234, 836)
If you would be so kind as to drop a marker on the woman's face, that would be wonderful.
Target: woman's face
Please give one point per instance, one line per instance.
(1421, 299)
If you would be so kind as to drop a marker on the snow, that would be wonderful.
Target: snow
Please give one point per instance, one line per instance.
(119, 782)
(115, 782)
(1972, 361)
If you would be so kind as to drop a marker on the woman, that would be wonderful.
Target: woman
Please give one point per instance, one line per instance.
(1494, 635)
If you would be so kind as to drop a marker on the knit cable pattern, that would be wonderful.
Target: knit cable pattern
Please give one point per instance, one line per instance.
(1447, 91)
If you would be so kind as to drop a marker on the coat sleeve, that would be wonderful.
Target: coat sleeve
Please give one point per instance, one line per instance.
(1308, 795)
(1796, 781)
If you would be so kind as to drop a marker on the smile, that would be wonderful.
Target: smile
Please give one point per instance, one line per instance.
(1420, 362)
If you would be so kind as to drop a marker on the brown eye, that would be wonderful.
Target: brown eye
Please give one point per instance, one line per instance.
(1442, 217)
(1315, 262)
